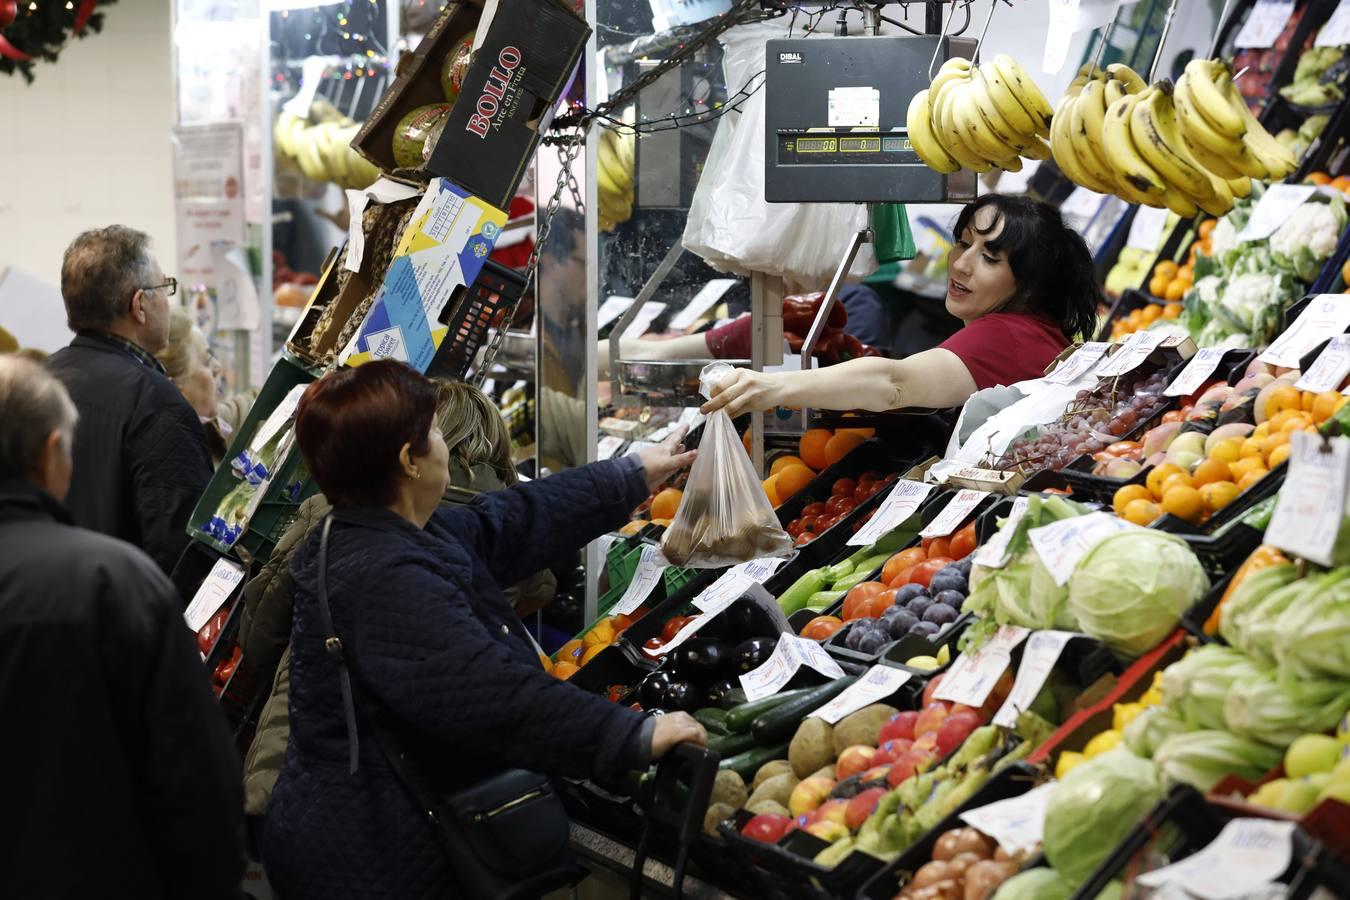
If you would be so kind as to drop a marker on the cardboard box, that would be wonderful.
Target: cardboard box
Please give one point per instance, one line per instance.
(442, 250)
(526, 54)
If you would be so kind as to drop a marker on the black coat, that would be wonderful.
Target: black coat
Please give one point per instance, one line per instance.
(141, 454)
(440, 647)
(119, 772)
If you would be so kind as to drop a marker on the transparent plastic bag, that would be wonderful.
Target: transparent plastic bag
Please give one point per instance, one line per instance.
(725, 517)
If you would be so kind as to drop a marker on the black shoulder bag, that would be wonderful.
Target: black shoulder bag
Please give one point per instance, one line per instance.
(505, 837)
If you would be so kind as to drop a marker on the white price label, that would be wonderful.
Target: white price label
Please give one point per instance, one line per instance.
(759, 570)
(215, 590)
(701, 302)
(284, 412)
(1274, 208)
(1329, 369)
(731, 584)
(1198, 370)
(1060, 545)
(605, 542)
(878, 684)
(645, 577)
(957, 510)
(1248, 854)
(711, 609)
(642, 322)
(1132, 352)
(854, 107)
(1017, 824)
(1337, 29)
(611, 309)
(1146, 229)
(1311, 501)
(899, 505)
(973, 676)
(1038, 659)
(608, 446)
(1326, 316)
(1079, 364)
(1264, 24)
(791, 653)
(994, 552)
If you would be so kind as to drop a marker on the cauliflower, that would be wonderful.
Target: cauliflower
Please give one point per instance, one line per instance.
(1223, 238)
(1303, 243)
(1248, 296)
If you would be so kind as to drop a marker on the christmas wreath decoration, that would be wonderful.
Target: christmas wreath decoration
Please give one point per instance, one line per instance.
(35, 30)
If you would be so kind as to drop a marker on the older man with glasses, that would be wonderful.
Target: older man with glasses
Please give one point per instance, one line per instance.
(141, 456)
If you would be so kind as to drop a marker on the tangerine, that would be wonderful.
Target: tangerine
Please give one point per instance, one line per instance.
(792, 479)
(1166, 267)
(601, 632)
(570, 651)
(1251, 478)
(1285, 398)
(665, 504)
(1278, 455)
(1176, 289)
(865, 432)
(841, 445)
(565, 670)
(1206, 227)
(1227, 451)
(1157, 285)
(821, 627)
(1127, 495)
(592, 653)
(1250, 464)
(811, 448)
(633, 527)
(771, 490)
(1184, 502)
(1155, 478)
(1173, 310)
(1251, 448)
(1210, 471)
(1218, 495)
(1152, 312)
(1141, 512)
(1327, 404)
(1180, 479)
(783, 462)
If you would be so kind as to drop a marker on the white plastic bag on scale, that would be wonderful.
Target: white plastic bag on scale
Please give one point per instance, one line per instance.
(730, 224)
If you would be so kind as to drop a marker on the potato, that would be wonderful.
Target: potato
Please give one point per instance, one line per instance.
(769, 770)
(825, 772)
(777, 789)
(729, 788)
(861, 727)
(768, 808)
(716, 813)
(811, 747)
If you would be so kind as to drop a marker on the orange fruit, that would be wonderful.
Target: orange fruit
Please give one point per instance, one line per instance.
(1141, 512)
(783, 462)
(1251, 447)
(1127, 495)
(746, 441)
(601, 632)
(1206, 227)
(1166, 267)
(1285, 397)
(664, 523)
(865, 432)
(1136, 318)
(771, 490)
(1227, 451)
(1317, 178)
(1210, 471)
(666, 503)
(1187, 273)
(821, 627)
(1152, 312)
(1306, 400)
(1180, 479)
(1176, 289)
(811, 448)
(1184, 503)
(1301, 422)
(1155, 478)
(1269, 445)
(1173, 311)
(1244, 466)
(1251, 478)
(591, 653)
(1326, 405)
(634, 527)
(565, 670)
(841, 445)
(1261, 430)
(545, 662)
(1157, 285)
(1341, 183)
(792, 479)
(570, 651)
(1218, 495)
(1278, 455)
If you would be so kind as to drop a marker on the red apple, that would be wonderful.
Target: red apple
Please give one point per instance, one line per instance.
(860, 807)
(768, 828)
(961, 707)
(832, 811)
(955, 730)
(903, 767)
(927, 743)
(855, 759)
(931, 688)
(809, 794)
(890, 750)
(830, 831)
(930, 719)
(899, 726)
(925, 759)
(876, 773)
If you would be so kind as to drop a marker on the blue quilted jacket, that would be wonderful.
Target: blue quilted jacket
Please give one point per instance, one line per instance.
(439, 646)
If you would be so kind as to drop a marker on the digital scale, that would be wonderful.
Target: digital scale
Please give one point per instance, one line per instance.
(834, 120)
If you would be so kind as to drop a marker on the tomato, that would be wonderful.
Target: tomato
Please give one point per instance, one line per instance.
(903, 577)
(963, 542)
(846, 506)
(861, 594)
(905, 559)
(808, 524)
(940, 547)
(844, 487)
(869, 476)
(813, 509)
(877, 605)
(794, 528)
(805, 537)
(821, 627)
(652, 645)
(827, 523)
(673, 626)
(616, 692)
(832, 507)
(923, 573)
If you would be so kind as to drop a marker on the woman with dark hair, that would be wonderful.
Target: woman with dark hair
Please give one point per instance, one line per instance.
(415, 598)
(1020, 280)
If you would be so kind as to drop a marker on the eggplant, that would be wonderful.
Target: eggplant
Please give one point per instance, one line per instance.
(752, 654)
(702, 659)
(721, 692)
(651, 692)
(745, 619)
(681, 696)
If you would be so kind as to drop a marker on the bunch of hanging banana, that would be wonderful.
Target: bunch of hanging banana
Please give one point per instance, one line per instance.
(1219, 129)
(615, 177)
(320, 145)
(979, 117)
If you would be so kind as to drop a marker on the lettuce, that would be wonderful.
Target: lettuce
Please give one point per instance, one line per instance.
(1312, 637)
(1094, 807)
(1146, 732)
(1266, 709)
(1241, 607)
(1202, 758)
(1196, 686)
(1035, 884)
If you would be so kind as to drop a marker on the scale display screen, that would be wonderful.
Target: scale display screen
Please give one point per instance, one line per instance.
(860, 145)
(797, 148)
(817, 145)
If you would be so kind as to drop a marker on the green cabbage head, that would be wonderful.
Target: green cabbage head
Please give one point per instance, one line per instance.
(1094, 807)
(1244, 602)
(1202, 758)
(1150, 728)
(1196, 686)
(1276, 712)
(1312, 638)
(1042, 883)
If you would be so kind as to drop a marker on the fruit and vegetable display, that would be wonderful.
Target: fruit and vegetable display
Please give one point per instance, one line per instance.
(1319, 78)
(846, 494)
(835, 345)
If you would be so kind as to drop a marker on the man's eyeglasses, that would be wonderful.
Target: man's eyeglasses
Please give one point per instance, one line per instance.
(170, 287)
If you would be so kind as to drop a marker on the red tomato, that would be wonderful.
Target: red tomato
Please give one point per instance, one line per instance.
(809, 524)
(827, 523)
(923, 573)
(813, 509)
(652, 645)
(963, 542)
(832, 507)
(821, 627)
(805, 537)
(860, 595)
(878, 604)
(844, 487)
(940, 547)
(846, 506)
(794, 528)
(869, 476)
(673, 626)
(905, 559)
(903, 577)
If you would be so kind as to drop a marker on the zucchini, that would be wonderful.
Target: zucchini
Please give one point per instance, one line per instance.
(781, 721)
(852, 581)
(748, 763)
(740, 719)
(794, 598)
(728, 745)
(713, 719)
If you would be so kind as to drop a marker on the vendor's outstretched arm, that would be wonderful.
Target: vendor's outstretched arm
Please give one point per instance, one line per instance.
(932, 379)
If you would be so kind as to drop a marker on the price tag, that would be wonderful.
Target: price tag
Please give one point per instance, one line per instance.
(1311, 501)
(1198, 370)
(311, 76)
(642, 322)
(994, 552)
(1249, 854)
(711, 610)
(1146, 229)
(1042, 652)
(1337, 29)
(645, 577)
(1274, 208)
(1329, 369)
(854, 107)
(791, 654)
(1062, 544)
(878, 684)
(1079, 364)
(898, 506)
(605, 543)
(701, 302)
(611, 309)
(759, 570)
(608, 446)
(1133, 351)
(1264, 24)
(732, 583)
(1326, 316)
(1018, 823)
(973, 676)
(956, 512)
(215, 590)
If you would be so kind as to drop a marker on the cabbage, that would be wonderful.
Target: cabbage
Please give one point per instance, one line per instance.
(1131, 590)
(1312, 638)
(1196, 686)
(1092, 809)
(1257, 639)
(1146, 732)
(1049, 601)
(1035, 884)
(1201, 758)
(1239, 608)
(1267, 709)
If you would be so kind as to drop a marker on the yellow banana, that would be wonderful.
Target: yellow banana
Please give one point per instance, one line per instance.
(944, 120)
(1130, 167)
(609, 162)
(1222, 202)
(924, 140)
(1134, 83)
(1196, 128)
(1065, 151)
(1039, 149)
(1240, 186)
(1082, 113)
(994, 120)
(1011, 164)
(1114, 90)
(940, 91)
(1153, 125)
(973, 127)
(1026, 92)
(1278, 159)
(1209, 84)
(1178, 202)
(1003, 99)
(1210, 161)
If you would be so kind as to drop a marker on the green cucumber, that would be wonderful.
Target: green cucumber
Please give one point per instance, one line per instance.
(713, 719)
(733, 699)
(794, 598)
(839, 570)
(823, 600)
(728, 745)
(740, 719)
(748, 763)
(855, 579)
(872, 563)
(779, 722)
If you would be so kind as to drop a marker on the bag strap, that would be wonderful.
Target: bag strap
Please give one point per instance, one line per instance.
(333, 644)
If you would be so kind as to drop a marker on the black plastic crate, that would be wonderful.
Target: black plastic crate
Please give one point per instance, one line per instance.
(871, 455)
(1225, 523)
(1194, 619)
(470, 315)
(788, 869)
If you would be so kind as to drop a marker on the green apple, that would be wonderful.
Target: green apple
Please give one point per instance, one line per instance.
(1270, 794)
(927, 663)
(1310, 754)
(1301, 795)
(1336, 790)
